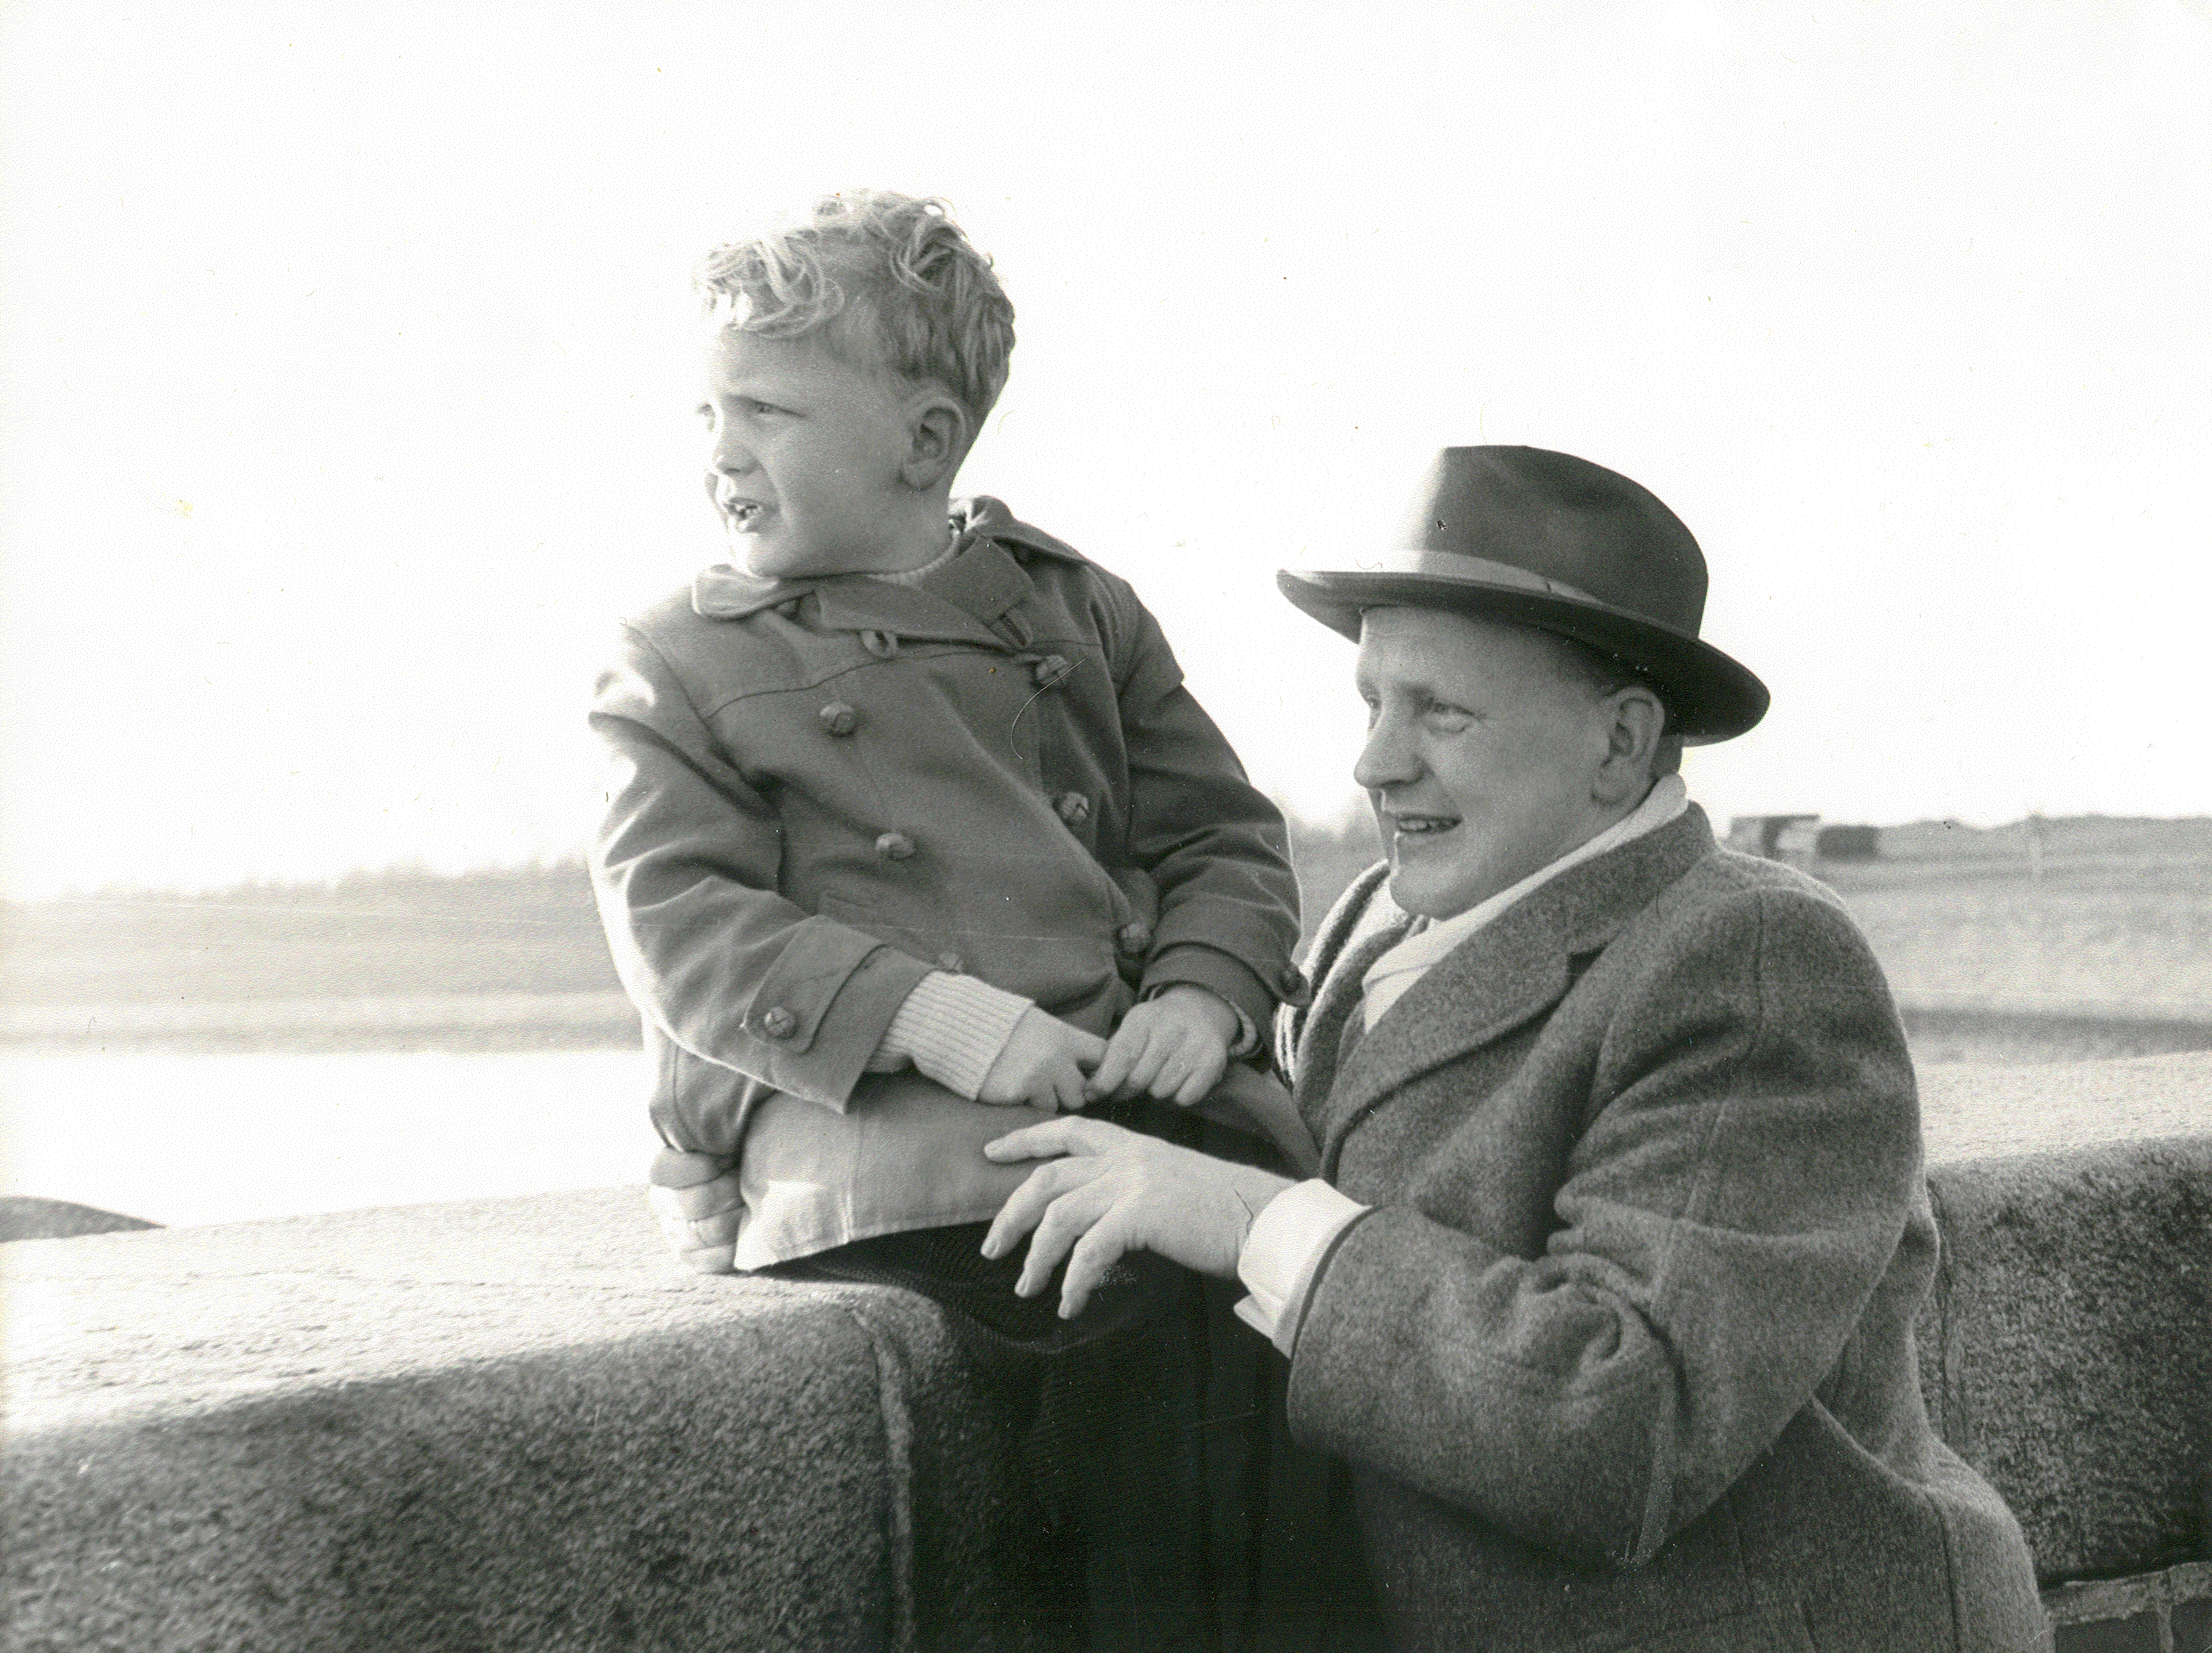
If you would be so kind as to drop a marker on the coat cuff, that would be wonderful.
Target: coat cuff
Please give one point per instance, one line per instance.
(819, 1047)
(953, 1029)
(1233, 982)
(1283, 1253)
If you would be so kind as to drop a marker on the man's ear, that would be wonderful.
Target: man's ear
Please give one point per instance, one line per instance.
(1637, 722)
(936, 440)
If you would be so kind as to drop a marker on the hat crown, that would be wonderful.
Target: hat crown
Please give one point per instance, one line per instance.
(1565, 519)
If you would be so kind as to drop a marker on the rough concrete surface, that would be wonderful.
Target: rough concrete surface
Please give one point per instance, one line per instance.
(510, 1424)
(515, 1424)
(2067, 1351)
(1969, 1111)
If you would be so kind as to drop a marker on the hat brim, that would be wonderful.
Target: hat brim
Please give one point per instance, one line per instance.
(1709, 697)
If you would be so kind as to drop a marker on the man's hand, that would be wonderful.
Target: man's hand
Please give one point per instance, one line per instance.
(1174, 1047)
(1117, 1192)
(1043, 1065)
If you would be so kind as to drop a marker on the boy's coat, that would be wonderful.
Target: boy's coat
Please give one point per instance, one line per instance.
(826, 788)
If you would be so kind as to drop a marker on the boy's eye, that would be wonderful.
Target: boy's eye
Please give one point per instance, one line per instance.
(1445, 716)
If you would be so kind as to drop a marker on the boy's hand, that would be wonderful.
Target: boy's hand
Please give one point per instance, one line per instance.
(695, 1197)
(1174, 1047)
(1043, 1065)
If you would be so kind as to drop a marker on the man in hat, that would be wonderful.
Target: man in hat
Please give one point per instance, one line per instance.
(1602, 1301)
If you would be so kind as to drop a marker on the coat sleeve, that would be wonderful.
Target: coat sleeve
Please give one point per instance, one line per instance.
(684, 869)
(1735, 1199)
(1214, 844)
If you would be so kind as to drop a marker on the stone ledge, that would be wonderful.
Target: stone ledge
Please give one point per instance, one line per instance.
(512, 1424)
(503, 1424)
(2063, 1352)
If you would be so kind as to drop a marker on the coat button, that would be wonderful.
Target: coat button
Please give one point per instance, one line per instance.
(951, 961)
(839, 718)
(1073, 808)
(779, 1023)
(1052, 671)
(894, 846)
(1134, 937)
(1296, 988)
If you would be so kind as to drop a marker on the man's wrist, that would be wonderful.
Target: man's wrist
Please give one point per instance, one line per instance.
(1280, 1256)
(1256, 1189)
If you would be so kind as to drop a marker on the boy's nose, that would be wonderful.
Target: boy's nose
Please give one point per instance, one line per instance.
(730, 456)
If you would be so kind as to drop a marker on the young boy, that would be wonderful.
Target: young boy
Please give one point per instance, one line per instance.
(912, 823)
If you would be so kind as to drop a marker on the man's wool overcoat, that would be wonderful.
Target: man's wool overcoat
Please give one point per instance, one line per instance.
(1622, 1357)
(823, 789)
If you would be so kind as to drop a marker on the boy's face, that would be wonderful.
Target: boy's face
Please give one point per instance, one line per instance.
(803, 461)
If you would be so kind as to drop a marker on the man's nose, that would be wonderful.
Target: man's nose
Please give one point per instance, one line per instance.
(1388, 759)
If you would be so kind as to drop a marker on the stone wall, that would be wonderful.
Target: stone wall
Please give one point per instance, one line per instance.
(514, 1425)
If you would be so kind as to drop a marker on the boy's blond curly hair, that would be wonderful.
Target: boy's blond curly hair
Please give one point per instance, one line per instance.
(892, 279)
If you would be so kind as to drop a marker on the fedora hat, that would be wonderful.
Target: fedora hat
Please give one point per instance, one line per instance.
(1542, 539)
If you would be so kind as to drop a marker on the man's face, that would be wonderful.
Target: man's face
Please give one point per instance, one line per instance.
(1480, 756)
(803, 456)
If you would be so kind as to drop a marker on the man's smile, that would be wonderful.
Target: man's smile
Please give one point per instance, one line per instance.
(1401, 825)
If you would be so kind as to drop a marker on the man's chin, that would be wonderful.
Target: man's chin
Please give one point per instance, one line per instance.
(1420, 891)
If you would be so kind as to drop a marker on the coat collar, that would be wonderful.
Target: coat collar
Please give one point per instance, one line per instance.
(958, 603)
(1515, 968)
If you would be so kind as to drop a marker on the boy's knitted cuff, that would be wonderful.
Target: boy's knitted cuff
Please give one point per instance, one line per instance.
(953, 1029)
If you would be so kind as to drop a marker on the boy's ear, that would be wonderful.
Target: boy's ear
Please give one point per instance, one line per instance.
(936, 440)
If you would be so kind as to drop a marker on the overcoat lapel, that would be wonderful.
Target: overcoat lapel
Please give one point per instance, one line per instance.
(1320, 1037)
(1513, 969)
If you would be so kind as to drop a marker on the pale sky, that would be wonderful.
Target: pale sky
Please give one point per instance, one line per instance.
(351, 363)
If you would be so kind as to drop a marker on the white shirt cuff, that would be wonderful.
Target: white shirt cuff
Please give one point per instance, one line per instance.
(953, 1029)
(1284, 1246)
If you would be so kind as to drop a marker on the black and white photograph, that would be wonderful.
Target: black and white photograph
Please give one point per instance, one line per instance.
(1136, 829)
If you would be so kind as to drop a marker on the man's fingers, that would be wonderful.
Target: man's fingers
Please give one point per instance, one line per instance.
(1025, 1207)
(1065, 1222)
(1100, 1247)
(1070, 1133)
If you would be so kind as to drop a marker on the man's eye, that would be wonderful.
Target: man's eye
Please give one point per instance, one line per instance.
(1450, 717)
(759, 409)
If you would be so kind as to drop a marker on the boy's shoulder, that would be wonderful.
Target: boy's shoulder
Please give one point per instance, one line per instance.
(990, 519)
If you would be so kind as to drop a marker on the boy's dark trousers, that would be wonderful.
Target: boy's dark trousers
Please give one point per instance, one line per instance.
(1135, 1425)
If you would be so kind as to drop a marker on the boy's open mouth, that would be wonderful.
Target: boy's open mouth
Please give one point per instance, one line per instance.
(743, 513)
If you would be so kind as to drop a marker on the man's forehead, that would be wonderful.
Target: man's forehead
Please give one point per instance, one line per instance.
(1449, 639)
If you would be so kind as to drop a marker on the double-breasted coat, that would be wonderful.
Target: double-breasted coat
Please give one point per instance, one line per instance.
(1622, 1357)
(823, 789)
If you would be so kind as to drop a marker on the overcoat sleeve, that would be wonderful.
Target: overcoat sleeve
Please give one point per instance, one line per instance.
(684, 869)
(1740, 1185)
(1215, 846)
